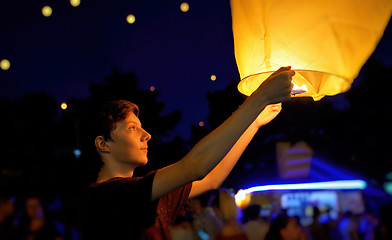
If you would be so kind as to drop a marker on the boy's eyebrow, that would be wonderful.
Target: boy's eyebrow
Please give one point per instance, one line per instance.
(134, 122)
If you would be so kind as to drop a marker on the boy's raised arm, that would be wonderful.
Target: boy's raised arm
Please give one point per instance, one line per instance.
(206, 154)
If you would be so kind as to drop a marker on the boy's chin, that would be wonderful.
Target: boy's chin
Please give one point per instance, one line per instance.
(142, 162)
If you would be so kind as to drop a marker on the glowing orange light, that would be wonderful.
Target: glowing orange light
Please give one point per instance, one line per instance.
(201, 123)
(131, 18)
(213, 77)
(184, 7)
(47, 11)
(74, 3)
(242, 199)
(64, 106)
(5, 64)
(152, 88)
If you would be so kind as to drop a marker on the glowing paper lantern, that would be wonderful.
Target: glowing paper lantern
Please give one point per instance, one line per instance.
(131, 18)
(74, 3)
(5, 64)
(325, 42)
(46, 11)
(184, 7)
(64, 105)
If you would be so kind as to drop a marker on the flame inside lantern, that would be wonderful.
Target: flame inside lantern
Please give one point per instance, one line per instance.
(298, 89)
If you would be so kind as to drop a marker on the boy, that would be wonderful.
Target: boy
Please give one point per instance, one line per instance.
(119, 206)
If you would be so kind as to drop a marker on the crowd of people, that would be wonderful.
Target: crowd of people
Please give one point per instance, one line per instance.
(213, 215)
(218, 217)
(31, 219)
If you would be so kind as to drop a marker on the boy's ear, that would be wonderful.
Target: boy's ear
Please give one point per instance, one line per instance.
(101, 144)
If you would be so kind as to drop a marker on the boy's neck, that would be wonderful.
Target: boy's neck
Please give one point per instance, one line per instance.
(112, 169)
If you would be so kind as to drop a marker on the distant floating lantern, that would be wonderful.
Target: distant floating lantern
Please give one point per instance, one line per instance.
(325, 42)
(201, 124)
(5, 64)
(131, 18)
(47, 11)
(64, 105)
(152, 88)
(184, 7)
(213, 77)
(74, 3)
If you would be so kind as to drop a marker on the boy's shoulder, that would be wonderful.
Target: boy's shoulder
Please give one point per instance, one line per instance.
(118, 181)
(119, 190)
(114, 181)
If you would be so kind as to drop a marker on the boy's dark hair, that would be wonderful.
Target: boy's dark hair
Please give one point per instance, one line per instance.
(111, 113)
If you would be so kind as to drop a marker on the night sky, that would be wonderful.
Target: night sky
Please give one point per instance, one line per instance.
(174, 51)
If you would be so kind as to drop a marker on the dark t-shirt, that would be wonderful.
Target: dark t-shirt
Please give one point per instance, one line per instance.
(121, 208)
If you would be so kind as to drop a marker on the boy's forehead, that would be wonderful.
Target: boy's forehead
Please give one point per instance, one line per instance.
(132, 118)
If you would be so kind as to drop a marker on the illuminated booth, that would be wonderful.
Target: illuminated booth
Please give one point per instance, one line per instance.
(304, 181)
(298, 199)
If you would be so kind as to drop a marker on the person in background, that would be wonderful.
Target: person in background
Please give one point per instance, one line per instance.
(182, 230)
(367, 226)
(7, 209)
(317, 230)
(34, 225)
(225, 207)
(204, 218)
(384, 228)
(255, 227)
(305, 234)
(284, 227)
(347, 228)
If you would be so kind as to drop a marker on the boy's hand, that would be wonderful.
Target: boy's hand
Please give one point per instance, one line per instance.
(268, 114)
(277, 87)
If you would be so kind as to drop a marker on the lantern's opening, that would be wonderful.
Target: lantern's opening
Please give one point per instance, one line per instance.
(298, 89)
(315, 84)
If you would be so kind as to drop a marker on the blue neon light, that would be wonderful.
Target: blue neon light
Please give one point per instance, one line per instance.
(330, 185)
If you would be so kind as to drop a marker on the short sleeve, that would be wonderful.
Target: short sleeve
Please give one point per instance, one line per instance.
(169, 208)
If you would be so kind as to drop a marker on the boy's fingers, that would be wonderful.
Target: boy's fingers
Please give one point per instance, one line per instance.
(282, 69)
(289, 73)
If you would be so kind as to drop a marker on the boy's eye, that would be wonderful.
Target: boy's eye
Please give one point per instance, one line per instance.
(132, 128)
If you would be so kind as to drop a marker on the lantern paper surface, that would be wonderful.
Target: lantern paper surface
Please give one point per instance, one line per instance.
(325, 42)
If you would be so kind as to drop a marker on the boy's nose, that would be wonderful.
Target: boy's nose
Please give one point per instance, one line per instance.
(146, 136)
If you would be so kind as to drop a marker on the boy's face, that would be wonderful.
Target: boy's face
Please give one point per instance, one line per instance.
(129, 142)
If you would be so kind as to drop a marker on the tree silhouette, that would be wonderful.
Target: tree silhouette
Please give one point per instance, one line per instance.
(368, 120)
(27, 142)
